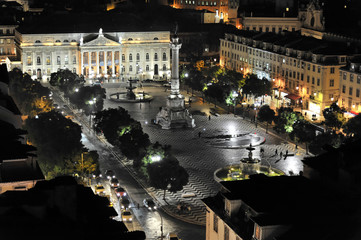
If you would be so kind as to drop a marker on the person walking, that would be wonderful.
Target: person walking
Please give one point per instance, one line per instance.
(281, 155)
(276, 152)
(199, 134)
(209, 117)
(286, 152)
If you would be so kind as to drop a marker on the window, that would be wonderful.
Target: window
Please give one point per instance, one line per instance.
(351, 77)
(130, 57)
(226, 233)
(319, 69)
(343, 89)
(308, 79)
(313, 68)
(350, 91)
(313, 80)
(308, 67)
(318, 82)
(215, 222)
(164, 57)
(147, 56)
(358, 79)
(48, 60)
(155, 56)
(164, 67)
(332, 70)
(130, 68)
(344, 76)
(58, 61)
(28, 60)
(123, 57)
(332, 82)
(37, 41)
(66, 60)
(147, 68)
(138, 57)
(57, 41)
(38, 60)
(155, 38)
(8, 41)
(357, 92)
(74, 59)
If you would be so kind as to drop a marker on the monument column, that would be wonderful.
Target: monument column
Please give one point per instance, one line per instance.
(175, 46)
(97, 63)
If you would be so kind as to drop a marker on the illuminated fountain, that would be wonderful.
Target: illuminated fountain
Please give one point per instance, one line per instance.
(247, 166)
(130, 96)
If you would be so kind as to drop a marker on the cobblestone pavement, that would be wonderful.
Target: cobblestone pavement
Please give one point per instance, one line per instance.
(202, 155)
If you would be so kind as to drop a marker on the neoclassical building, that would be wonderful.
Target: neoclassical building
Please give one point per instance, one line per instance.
(117, 55)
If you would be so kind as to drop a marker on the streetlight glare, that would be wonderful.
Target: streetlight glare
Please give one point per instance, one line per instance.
(155, 158)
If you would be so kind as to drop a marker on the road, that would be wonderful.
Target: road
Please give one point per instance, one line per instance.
(149, 222)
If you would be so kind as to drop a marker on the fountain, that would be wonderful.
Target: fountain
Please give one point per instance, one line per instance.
(129, 96)
(247, 166)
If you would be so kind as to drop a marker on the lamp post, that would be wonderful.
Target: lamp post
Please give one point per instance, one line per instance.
(234, 97)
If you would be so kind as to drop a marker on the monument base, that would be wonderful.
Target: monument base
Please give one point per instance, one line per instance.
(174, 115)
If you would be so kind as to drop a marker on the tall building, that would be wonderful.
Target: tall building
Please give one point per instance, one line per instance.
(350, 87)
(305, 70)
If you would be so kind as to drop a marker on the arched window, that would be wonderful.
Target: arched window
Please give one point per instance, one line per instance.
(130, 68)
(66, 40)
(155, 56)
(156, 38)
(147, 68)
(38, 60)
(73, 40)
(164, 56)
(138, 57)
(57, 41)
(130, 57)
(37, 41)
(130, 39)
(147, 56)
(164, 67)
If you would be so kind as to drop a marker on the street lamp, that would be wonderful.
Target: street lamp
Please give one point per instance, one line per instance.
(234, 97)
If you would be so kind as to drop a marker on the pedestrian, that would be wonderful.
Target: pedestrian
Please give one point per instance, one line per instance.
(286, 152)
(209, 117)
(296, 146)
(138, 205)
(305, 114)
(281, 155)
(276, 152)
(199, 134)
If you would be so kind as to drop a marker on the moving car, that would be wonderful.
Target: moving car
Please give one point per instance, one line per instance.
(172, 236)
(109, 174)
(124, 203)
(120, 192)
(99, 189)
(148, 203)
(114, 182)
(127, 216)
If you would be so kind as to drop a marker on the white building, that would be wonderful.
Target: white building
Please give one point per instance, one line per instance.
(117, 55)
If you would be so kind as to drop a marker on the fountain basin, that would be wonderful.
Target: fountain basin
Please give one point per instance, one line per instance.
(138, 97)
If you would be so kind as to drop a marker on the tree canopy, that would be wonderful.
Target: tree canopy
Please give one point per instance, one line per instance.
(266, 114)
(334, 116)
(66, 80)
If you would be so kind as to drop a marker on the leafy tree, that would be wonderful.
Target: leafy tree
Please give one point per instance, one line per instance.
(86, 162)
(56, 139)
(353, 127)
(29, 95)
(167, 174)
(334, 117)
(67, 81)
(215, 91)
(111, 122)
(257, 87)
(304, 132)
(285, 120)
(317, 146)
(233, 79)
(266, 114)
(85, 96)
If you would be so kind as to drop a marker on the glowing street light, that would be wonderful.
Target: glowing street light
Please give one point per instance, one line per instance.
(156, 158)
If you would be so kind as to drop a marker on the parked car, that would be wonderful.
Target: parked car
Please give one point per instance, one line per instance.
(127, 216)
(120, 192)
(148, 203)
(114, 182)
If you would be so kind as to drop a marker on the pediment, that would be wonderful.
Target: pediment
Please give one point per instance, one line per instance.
(101, 41)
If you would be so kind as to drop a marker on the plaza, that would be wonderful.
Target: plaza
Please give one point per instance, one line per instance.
(201, 155)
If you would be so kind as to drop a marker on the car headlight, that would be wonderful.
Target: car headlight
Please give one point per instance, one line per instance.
(130, 219)
(125, 194)
(149, 208)
(118, 194)
(155, 207)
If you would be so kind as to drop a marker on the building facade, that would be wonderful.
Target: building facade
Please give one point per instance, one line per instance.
(305, 67)
(117, 55)
(350, 87)
(9, 43)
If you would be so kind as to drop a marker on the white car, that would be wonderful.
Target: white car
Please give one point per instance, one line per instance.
(148, 203)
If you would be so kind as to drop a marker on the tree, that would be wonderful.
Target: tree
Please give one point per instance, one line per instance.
(256, 87)
(319, 143)
(285, 120)
(84, 99)
(353, 127)
(304, 132)
(215, 91)
(86, 162)
(67, 81)
(334, 117)
(266, 114)
(167, 174)
(56, 139)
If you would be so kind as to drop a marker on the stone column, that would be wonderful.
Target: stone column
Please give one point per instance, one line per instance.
(97, 63)
(113, 63)
(175, 46)
(81, 62)
(105, 62)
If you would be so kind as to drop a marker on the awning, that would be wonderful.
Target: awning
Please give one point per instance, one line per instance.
(293, 96)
